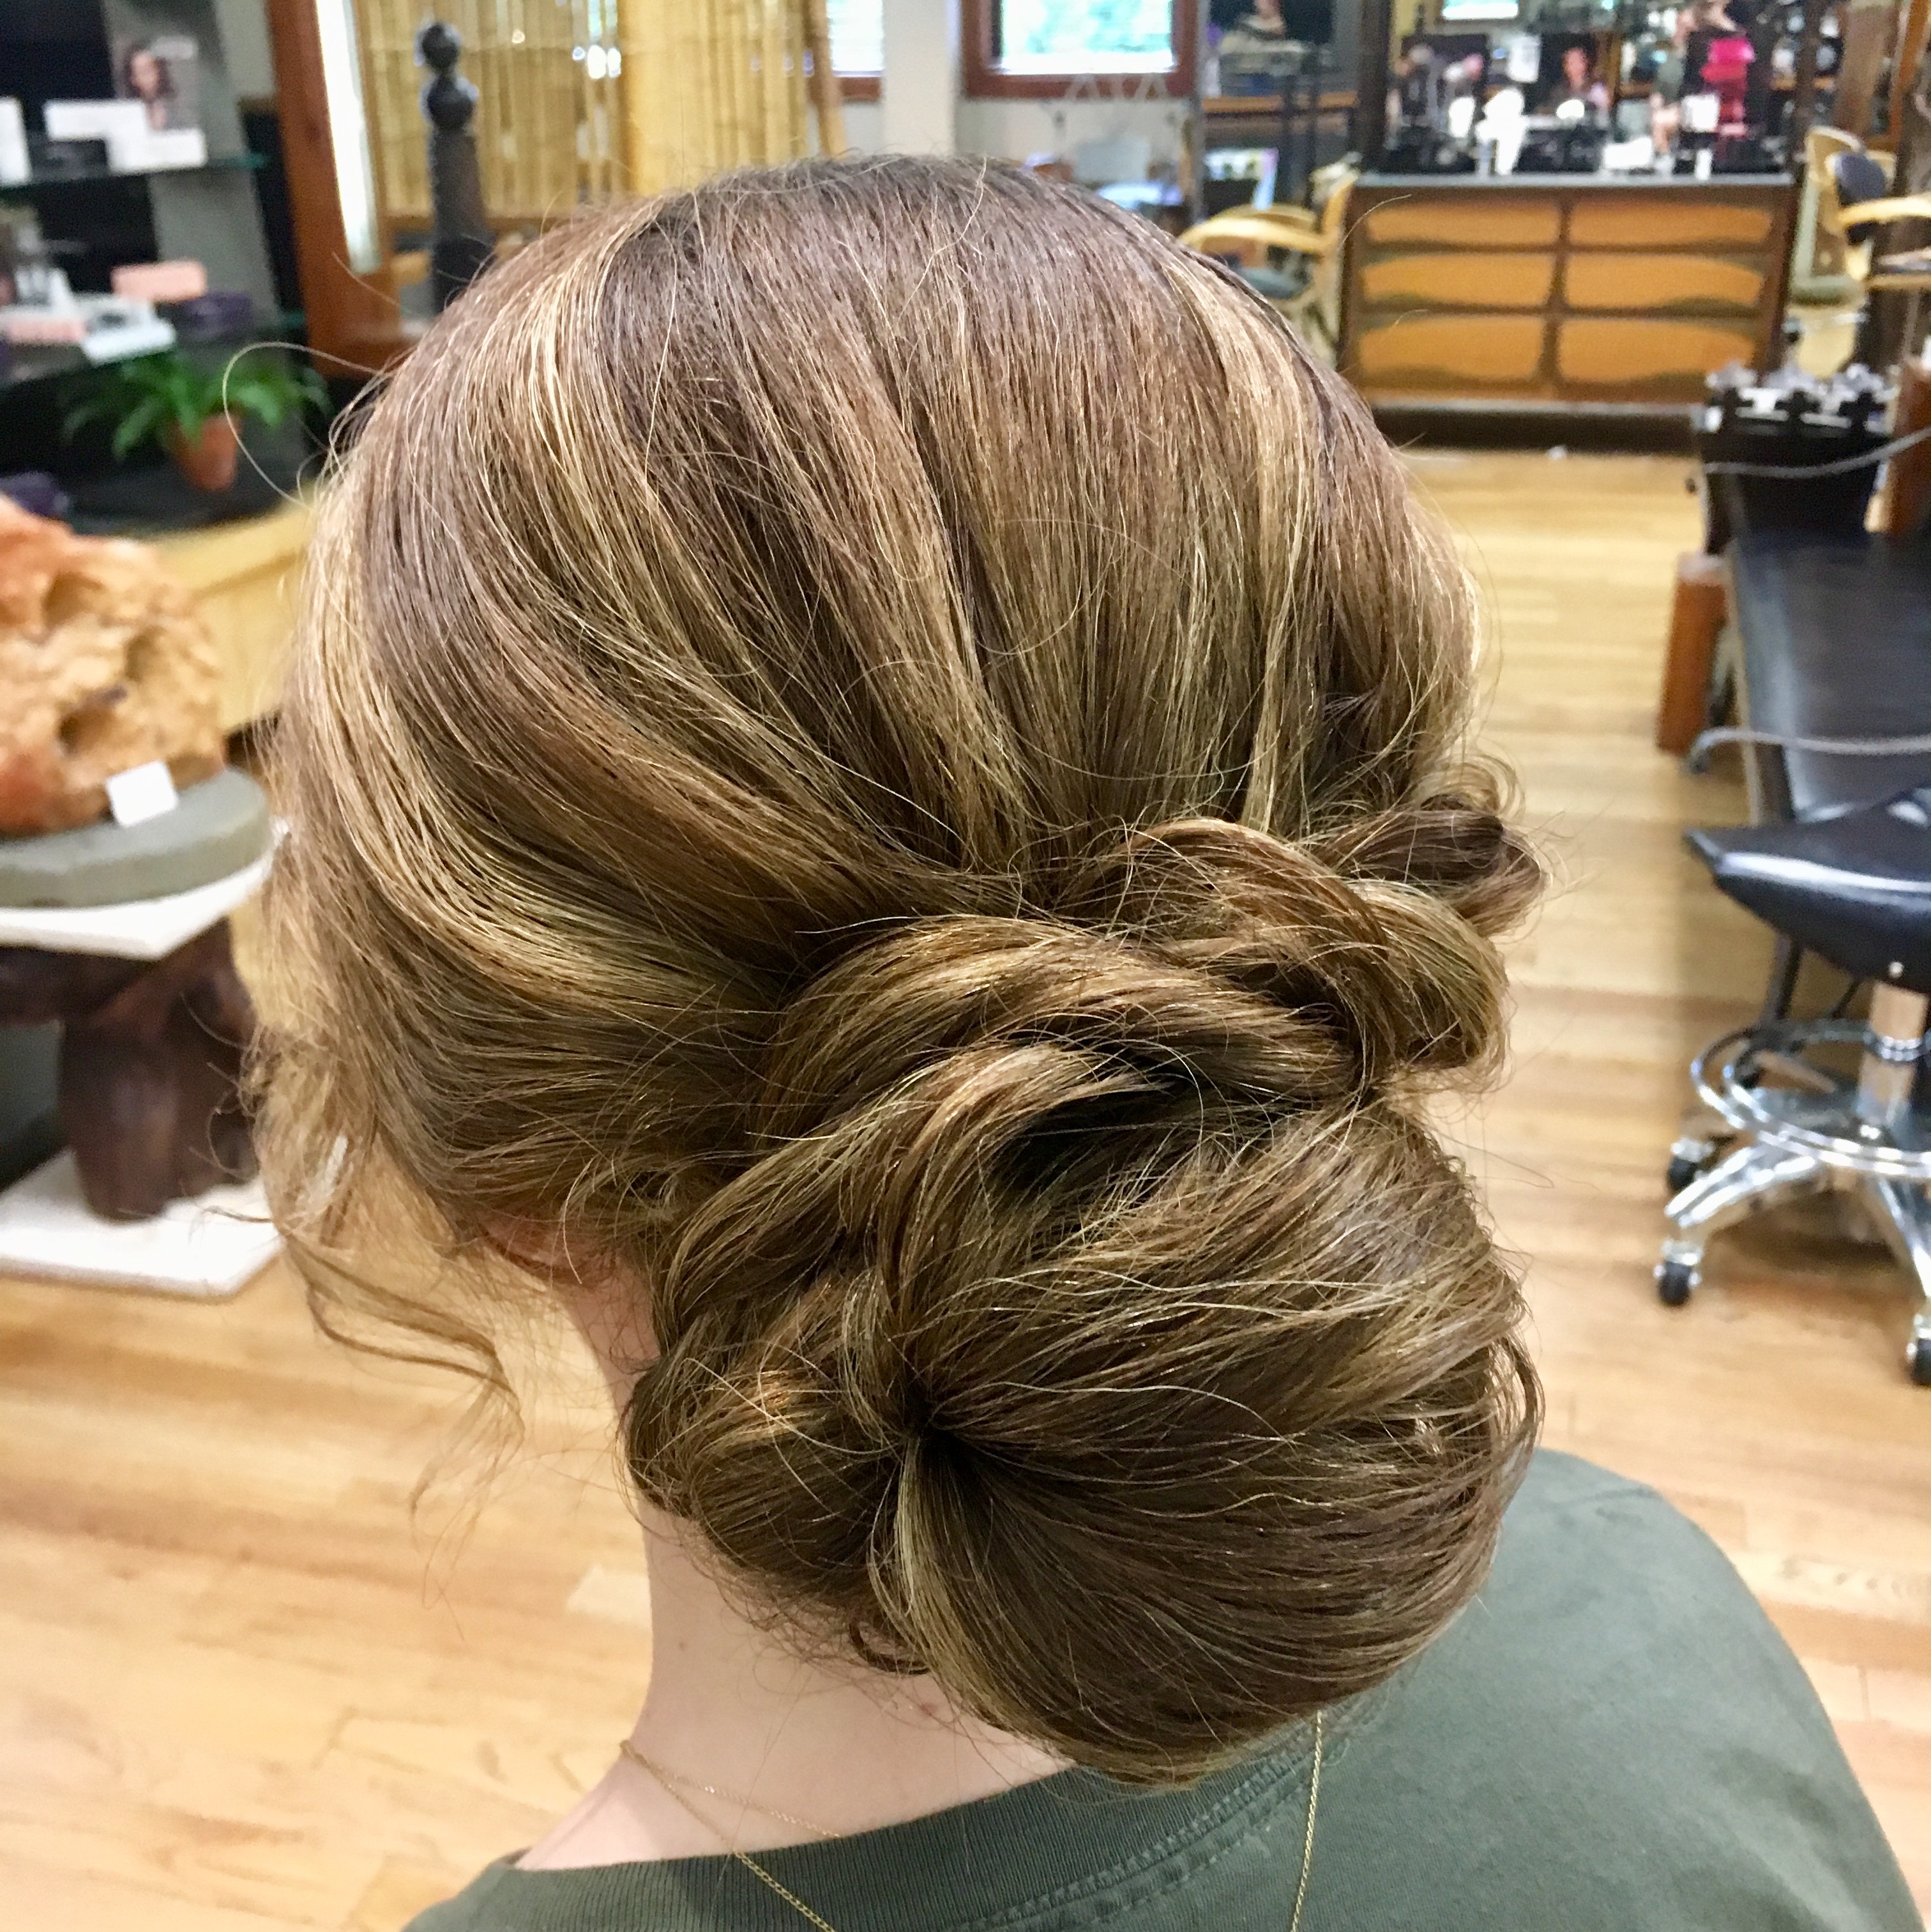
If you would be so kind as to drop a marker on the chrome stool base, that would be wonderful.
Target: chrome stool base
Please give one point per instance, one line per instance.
(1797, 1128)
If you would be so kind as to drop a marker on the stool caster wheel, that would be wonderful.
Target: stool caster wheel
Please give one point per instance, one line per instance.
(1917, 1360)
(1688, 1158)
(1674, 1279)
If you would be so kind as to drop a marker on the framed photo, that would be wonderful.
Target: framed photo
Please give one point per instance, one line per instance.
(161, 71)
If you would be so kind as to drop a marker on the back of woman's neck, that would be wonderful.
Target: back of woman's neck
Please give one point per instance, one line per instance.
(789, 1748)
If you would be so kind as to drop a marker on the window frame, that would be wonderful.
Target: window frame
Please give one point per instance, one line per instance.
(863, 85)
(985, 79)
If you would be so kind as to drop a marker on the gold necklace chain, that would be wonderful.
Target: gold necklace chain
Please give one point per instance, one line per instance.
(1313, 1806)
(744, 1858)
(670, 1780)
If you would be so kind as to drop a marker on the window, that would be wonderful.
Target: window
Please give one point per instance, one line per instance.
(1040, 47)
(858, 45)
(1085, 36)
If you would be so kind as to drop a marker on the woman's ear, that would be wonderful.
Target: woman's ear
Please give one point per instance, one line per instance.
(539, 1248)
(605, 1300)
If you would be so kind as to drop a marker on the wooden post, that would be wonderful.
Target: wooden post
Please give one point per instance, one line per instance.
(1696, 617)
(1888, 314)
(1803, 87)
(1907, 489)
(1910, 124)
(825, 95)
(464, 245)
(1371, 85)
(352, 324)
(646, 89)
(1867, 28)
(771, 74)
(739, 145)
(1193, 154)
(1914, 24)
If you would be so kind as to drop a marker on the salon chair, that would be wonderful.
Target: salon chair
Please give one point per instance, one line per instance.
(1854, 888)
(1248, 235)
(1805, 676)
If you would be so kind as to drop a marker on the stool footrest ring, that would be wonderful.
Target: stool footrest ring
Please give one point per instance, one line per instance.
(1815, 1113)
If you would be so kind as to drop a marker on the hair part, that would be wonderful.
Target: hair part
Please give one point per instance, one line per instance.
(881, 744)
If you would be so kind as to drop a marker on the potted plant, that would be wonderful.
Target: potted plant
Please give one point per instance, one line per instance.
(194, 414)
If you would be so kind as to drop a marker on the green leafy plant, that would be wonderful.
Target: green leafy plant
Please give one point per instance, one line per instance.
(149, 397)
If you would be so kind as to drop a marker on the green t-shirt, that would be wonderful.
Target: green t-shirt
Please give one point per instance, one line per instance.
(1611, 1738)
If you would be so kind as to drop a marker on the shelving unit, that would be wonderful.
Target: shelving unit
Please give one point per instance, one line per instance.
(97, 218)
(1561, 291)
(62, 49)
(1591, 291)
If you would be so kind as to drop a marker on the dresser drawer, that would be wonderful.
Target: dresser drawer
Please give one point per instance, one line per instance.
(1696, 282)
(1450, 354)
(1663, 221)
(1458, 278)
(1465, 221)
(1664, 358)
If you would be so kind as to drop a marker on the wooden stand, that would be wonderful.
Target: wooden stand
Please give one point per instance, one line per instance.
(1696, 615)
(464, 243)
(150, 1059)
(1907, 491)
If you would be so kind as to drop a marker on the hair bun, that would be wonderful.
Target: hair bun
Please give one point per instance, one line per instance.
(1089, 1293)
(783, 844)
(1384, 929)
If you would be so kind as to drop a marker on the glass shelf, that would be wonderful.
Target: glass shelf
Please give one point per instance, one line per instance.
(244, 163)
(36, 363)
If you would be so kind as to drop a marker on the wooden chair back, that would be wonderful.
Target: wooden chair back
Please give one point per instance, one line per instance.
(1823, 249)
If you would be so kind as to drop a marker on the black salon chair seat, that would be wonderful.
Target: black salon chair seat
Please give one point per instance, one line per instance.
(1856, 889)
(1835, 642)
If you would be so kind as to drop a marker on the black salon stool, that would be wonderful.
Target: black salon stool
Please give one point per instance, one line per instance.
(1856, 889)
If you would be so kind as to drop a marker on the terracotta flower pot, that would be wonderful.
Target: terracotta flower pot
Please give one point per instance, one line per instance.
(208, 458)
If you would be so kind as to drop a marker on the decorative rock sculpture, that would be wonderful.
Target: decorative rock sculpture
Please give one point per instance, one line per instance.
(104, 665)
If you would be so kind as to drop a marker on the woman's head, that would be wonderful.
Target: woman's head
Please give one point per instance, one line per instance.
(146, 74)
(874, 744)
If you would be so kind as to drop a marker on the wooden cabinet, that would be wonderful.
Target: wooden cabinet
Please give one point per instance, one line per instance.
(1562, 289)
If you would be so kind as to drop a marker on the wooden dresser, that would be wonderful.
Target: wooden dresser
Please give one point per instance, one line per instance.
(1561, 289)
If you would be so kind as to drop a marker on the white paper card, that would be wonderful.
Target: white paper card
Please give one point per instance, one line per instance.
(145, 792)
(122, 124)
(14, 164)
(134, 146)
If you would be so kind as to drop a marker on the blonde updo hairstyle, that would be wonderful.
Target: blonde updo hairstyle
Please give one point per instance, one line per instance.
(878, 744)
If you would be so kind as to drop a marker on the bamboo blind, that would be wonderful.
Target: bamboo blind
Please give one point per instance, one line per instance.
(549, 122)
(716, 84)
(582, 99)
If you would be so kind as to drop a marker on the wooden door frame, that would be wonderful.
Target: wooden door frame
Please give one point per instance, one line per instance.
(353, 322)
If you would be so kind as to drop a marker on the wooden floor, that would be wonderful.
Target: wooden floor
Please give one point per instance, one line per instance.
(238, 1690)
